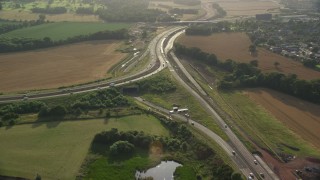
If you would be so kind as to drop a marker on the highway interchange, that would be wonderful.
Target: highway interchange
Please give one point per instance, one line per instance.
(159, 50)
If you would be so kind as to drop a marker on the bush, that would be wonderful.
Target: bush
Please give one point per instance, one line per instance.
(121, 147)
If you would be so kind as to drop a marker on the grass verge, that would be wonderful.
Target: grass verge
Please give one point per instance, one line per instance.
(183, 98)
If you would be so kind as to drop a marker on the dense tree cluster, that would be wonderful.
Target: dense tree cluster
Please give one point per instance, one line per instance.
(247, 75)
(157, 84)
(101, 99)
(183, 11)
(180, 141)
(21, 44)
(56, 111)
(187, 2)
(208, 29)
(131, 11)
(49, 10)
(22, 107)
(9, 113)
(109, 98)
(17, 25)
(220, 12)
(85, 10)
(121, 147)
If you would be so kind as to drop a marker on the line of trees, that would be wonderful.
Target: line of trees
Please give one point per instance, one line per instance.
(49, 10)
(85, 10)
(248, 75)
(208, 29)
(131, 11)
(183, 11)
(109, 98)
(4, 28)
(22, 44)
(187, 2)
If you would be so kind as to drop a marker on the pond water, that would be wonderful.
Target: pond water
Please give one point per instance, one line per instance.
(163, 171)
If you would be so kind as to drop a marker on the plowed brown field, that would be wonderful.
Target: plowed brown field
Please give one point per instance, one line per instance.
(59, 66)
(235, 46)
(300, 116)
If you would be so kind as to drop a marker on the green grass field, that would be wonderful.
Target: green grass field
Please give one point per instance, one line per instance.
(23, 5)
(56, 150)
(183, 98)
(265, 128)
(107, 169)
(62, 30)
(260, 125)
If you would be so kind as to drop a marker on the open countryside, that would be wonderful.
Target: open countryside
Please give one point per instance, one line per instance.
(235, 46)
(62, 30)
(58, 66)
(236, 8)
(57, 149)
(300, 116)
(28, 16)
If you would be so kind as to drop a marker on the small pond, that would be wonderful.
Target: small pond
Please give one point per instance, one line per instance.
(163, 171)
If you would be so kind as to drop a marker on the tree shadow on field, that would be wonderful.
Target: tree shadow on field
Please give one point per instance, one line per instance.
(49, 122)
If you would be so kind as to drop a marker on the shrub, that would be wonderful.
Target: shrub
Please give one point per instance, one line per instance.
(121, 147)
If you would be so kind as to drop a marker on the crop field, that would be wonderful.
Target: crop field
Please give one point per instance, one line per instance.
(21, 10)
(300, 116)
(248, 7)
(235, 46)
(167, 5)
(28, 16)
(55, 150)
(59, 66)
(62, 30)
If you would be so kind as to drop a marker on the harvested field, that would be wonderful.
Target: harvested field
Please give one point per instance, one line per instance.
(59, 66)
(248, 7)
(235, 46)
(300, 116)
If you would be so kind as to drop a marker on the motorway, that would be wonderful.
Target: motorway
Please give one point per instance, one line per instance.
(159, 48)
(155, 65)
(244, 160)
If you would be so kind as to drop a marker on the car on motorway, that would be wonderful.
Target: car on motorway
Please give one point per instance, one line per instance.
(192, 123)
(255, 162)
(251, 175)
(261, 175)
(225, 126)
(234, 153)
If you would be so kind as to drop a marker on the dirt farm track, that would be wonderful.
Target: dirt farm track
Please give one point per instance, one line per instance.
(59, 66)
(235, 46)
(300, 116)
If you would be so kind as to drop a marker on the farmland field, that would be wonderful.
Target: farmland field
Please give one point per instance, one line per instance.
(167, 5)
(62, 30)
(55, 150)
(28, 16)
(300, 116)
(59, 66)
(248, 7)
(235, 46)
